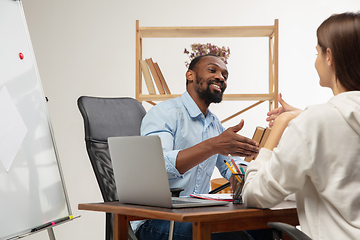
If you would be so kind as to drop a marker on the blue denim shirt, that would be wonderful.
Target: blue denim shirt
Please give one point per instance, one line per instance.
(180, 125)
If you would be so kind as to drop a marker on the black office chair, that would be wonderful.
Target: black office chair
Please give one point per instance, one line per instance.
(109, 117)
(103, 118)
(280, 228)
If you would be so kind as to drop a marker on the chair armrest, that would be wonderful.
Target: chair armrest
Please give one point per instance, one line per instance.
(291, 231)
(175, 192)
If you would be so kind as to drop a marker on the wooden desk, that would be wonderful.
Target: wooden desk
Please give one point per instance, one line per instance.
(233, 217)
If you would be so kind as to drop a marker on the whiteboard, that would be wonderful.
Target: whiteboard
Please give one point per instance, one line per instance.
(32, 192)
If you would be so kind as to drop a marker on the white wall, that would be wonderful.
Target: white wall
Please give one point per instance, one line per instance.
(87, 47)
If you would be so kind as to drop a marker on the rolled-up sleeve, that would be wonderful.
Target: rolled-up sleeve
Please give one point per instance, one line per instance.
(160, 122)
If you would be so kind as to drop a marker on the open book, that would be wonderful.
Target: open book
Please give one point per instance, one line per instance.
(217, 197)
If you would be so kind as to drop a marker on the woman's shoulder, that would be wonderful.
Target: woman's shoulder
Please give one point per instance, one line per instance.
(344, 102)
(317, 114)
(319, 109)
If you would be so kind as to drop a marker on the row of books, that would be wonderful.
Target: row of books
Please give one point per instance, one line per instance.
(260, 135)
(152, 73)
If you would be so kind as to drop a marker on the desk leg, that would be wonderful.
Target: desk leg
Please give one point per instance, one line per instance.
(201, 231)
(120, 227)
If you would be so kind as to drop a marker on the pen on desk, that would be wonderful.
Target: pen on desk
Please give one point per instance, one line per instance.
(232, 170)
(242, 170)
(238, 191)
(239, 188)
(235, 165)
(228, 165)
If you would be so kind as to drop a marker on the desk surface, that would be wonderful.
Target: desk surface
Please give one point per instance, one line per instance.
(249, 218)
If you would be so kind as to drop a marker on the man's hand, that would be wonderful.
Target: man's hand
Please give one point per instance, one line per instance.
(229, 142)
(285, 107)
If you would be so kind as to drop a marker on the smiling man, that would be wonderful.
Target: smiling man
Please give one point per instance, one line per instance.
(209, 90)
(194, 141)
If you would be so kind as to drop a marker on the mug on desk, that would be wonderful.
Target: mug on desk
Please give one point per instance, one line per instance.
(237, 183)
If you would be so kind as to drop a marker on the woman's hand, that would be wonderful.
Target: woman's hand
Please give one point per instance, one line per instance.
(279, 125)
(285, 107)
(286, 117)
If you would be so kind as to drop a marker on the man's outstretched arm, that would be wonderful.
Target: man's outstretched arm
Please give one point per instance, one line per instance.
(228, 142)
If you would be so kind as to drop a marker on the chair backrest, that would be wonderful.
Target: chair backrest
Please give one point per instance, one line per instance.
(103, 118)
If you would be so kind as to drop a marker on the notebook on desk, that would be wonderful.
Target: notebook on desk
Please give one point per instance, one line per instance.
(140, 174)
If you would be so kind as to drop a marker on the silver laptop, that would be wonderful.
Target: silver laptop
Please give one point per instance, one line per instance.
(140, 174)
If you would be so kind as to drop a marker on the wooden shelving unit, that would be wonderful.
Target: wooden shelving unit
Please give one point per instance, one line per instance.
(271, 32)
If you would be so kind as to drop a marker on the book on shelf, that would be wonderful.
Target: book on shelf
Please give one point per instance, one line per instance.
(147, 77)
(155, 76)
(260, 135)
(162, 79)
(217, 197)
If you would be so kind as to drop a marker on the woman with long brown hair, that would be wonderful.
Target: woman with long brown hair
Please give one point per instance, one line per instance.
(318, 157)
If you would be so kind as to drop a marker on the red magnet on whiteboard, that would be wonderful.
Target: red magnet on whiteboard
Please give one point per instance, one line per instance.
(21, 56)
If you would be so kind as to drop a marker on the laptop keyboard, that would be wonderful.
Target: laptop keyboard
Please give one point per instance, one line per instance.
(181, 201)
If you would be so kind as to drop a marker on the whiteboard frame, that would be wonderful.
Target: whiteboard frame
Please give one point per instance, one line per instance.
(31, 56)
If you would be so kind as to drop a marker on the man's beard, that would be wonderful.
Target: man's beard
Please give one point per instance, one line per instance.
(210, 97)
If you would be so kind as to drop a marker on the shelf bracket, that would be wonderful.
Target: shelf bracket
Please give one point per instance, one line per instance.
(242, 111)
